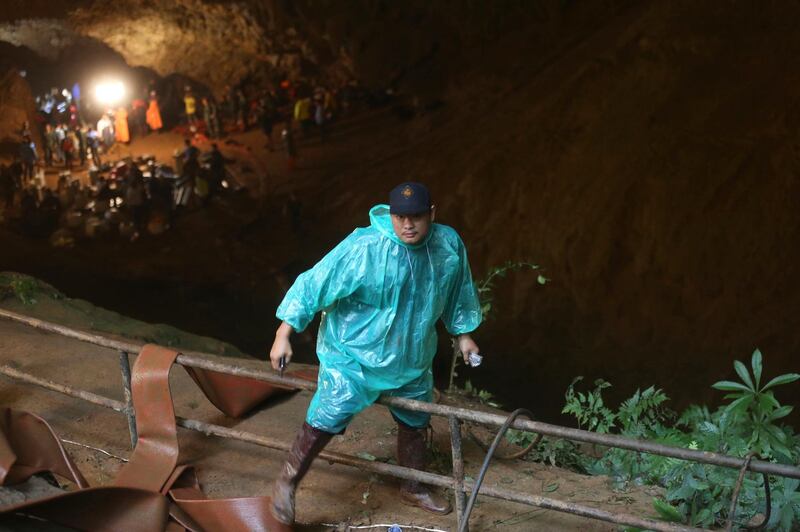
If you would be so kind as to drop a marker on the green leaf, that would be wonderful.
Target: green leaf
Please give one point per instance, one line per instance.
(757, 366)
(781, 379)
(741, 370)
(730, 386)
(541, 279)
(366, 456)
(777, 433)
(767, 401)
(708, 428)
(667, 511)
(703, 517)
(740, 405)
(551, 487)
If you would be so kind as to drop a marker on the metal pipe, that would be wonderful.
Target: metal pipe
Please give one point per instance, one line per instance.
(130, 412)
(608, 440)
(90, 397)
(71, 333)
(580, 510)
(458, 470)
(193, 359)
(366, 465)
(186, 358)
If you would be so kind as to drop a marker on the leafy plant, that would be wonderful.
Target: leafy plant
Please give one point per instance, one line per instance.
(758, 408)
(643, 411)
(588, 408)
(553, 451)
(483, 396)
(485, 289)
(24, 289)
(698, 494)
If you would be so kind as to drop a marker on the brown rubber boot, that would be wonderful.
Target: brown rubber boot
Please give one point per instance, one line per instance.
(307, 446)
(411, 452)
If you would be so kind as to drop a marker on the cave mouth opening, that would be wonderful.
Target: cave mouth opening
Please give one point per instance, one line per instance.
(83, 64)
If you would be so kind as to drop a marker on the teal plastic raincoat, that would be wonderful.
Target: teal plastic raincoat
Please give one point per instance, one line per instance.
(380, 300)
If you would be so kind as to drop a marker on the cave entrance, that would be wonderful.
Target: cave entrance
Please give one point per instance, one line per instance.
(75, 71)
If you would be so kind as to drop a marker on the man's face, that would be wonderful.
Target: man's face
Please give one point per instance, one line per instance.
(413, 228)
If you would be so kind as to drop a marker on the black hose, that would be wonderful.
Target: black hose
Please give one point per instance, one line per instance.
(478, 481)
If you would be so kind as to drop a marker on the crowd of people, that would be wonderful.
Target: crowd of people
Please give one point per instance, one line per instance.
(294, 108)
(129, 197)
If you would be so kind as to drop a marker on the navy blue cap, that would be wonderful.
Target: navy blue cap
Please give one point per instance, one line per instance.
(409, 198)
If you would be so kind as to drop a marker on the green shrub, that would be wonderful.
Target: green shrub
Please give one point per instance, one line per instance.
(699, 494)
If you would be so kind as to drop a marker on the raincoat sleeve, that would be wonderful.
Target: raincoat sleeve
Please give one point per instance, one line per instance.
(336, 276)
(462, 312)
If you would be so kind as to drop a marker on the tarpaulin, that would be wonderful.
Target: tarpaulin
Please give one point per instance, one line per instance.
(151, 492)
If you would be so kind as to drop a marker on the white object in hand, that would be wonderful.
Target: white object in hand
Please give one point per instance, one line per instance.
(475, 360)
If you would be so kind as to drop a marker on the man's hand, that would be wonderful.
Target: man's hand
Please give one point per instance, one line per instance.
(281, 347)
(467, 345)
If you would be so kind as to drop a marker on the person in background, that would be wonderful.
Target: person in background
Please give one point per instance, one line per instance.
(93, 142)
(80, 135)
(302, 114)
(27, 156)
(216, 163)
(138, 117)
(50, 144)
(121, 131)
(25, 129)
(106, 130)
(190, 107)
(60, 132)
(69, 148)
(189, 172)
(74, 119)
(211, 117)
(154, 113)
(266, 117)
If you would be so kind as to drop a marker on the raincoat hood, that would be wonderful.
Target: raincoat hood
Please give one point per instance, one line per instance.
(381, 220)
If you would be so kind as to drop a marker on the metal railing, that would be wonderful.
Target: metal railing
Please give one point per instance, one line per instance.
(455, 416)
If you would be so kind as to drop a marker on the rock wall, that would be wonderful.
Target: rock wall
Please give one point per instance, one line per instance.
(213, 43)
(408, 45)
(649, 162)
(17, 105)
(653, 169)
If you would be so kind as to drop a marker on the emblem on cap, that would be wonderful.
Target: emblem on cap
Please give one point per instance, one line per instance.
(408, 191)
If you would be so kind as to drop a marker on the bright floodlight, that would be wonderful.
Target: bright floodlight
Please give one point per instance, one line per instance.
(109, 92)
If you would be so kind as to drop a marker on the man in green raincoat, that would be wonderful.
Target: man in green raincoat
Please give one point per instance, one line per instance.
(381, 292)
